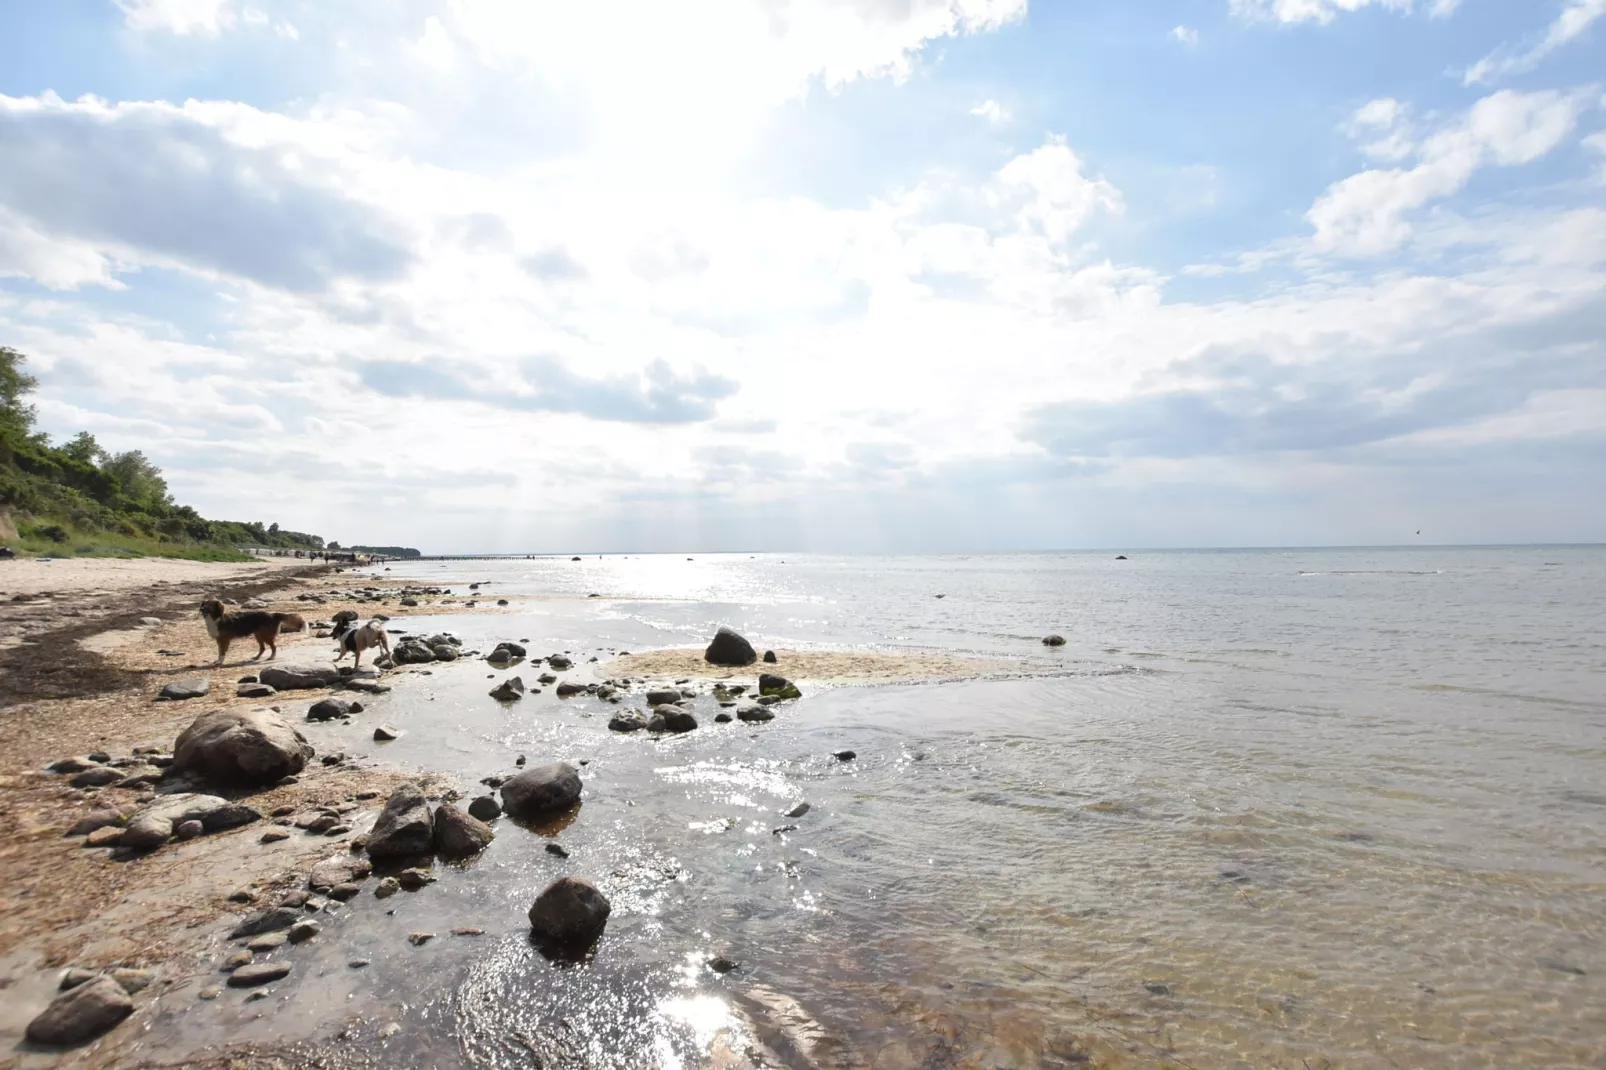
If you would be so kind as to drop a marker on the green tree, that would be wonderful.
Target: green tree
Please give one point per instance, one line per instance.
(84, 449)
(16, 415)
(138, 479)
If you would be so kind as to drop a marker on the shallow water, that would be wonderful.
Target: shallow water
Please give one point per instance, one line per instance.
(1265, 808)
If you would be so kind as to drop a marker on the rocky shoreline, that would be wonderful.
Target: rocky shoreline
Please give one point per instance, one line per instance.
(238, 811)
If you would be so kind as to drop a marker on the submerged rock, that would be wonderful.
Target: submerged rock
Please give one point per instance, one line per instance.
(674, 719)
(542, 790)
(1053, 640)
(729, 648)
(81, 1013)
(629, 721)
(405, 825)
(571, 912)
(238, 749)
(485, 808)
(755, 714)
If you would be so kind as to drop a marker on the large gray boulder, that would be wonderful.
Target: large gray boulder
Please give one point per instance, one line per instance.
(405, 825)
(729, 648)
(81, 1014)
(458, 834)
(157, 823)
(237, 749)
(674, 718)
(543, 790)
(299, 677)
(571, 912)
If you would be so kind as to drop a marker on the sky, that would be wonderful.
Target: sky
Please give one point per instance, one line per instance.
(835, 275)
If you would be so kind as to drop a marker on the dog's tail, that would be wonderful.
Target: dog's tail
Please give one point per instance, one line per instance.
(289, 622)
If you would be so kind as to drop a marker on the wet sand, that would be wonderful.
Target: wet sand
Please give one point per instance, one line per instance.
(815, 666)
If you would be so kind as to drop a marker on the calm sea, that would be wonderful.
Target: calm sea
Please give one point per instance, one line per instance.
(1265, 808)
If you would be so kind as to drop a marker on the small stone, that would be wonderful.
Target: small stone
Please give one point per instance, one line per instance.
(419, 939)
(188, 830)
(236, 960)
(844, 755)
(258, 973)
(385, 732)
(296, 899)
(414, 879)
(357, 964)
(783, 829)
(468, 931)
(557, 849)
(266, 921)
(274, 835)
(108, 836)
(721, 964)
(209, 992)
(386, 888)
(180, 690)
(1053, 640)
(97, 777)
(302, 931)
(722, 718)
(769, 657)
(390, 1029)
(256, 997)
(570, 912)
(268, 941)
(76, 976)
(132, 980)
(485, 808)
(95, 819)
(344, 891)
(799, 810)
(755, 714)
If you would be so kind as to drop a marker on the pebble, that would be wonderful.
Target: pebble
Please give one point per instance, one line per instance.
(302, 931)
(799, 810)
(468, 931)
(210, 992)
(258, 973)
(268, 941)
(844, 755)
(344, 891)
(357, 964)
(557, 849)
(387, 888)
(414, 879)
(274, 835)
(236, 960)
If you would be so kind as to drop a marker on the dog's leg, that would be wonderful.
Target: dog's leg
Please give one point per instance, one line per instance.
(222, 648)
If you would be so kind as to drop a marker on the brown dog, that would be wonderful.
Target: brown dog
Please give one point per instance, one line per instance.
(354, 640)
(263, 627)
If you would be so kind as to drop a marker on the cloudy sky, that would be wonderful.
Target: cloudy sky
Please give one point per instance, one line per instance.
(506, 275)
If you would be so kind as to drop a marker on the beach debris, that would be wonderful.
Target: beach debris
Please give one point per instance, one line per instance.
(729, 648)
(180, 690)
(542, 790)
(570, 913)
(458, 834)
(405, 826)
(81, 1013)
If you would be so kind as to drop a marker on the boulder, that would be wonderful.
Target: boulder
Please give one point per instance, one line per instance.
(411, 652)
(500, 657)
(674, 718)
(777, 686)
(571, 912)
(729, 648)
(458, 834)
(565, 690)
(405, 825)
(559, 662)
(542, 790)
(444, 652)
(1053, 640)
(236, 749)
(485, 807)
(299, 677)
(509, 690)
(179, 690)
(629, 721)
(81, 1014)
(329, 709)
(660, 696)
(514, 649)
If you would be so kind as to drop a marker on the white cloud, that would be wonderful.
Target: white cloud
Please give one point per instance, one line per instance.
(993, 112)
(1574, 19)
(204, 17)
(1368, 213)
(1051, 195)
(1186, 34)
(1384, 120)
(1324, 11)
